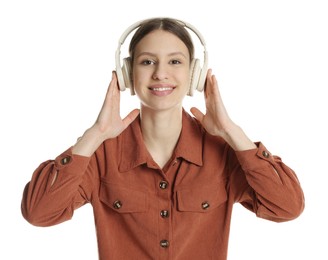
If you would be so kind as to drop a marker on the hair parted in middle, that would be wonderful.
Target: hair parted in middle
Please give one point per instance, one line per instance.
(166, 24)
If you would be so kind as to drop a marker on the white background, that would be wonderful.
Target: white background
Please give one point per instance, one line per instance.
(271, 61)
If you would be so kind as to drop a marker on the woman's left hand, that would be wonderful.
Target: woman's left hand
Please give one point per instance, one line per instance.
(216, 120)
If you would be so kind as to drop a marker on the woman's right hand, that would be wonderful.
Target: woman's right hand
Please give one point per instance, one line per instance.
(109, 123)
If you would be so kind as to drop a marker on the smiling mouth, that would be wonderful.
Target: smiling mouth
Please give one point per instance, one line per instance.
(162, 89)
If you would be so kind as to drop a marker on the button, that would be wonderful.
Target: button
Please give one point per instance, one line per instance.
(265, 154)
(164, 243)
(163, 185)
(164, 213)
(117, 204)
(65, 160)
(205, 205)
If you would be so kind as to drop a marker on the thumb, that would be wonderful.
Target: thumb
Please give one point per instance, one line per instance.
(197, 113)
(130, 117)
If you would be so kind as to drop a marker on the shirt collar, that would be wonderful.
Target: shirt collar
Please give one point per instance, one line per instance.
(190, 143)
(135, 153)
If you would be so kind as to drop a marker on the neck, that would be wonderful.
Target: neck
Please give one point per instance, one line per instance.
(161, 131)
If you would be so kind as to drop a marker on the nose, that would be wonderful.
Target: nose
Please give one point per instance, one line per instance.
(160, 72)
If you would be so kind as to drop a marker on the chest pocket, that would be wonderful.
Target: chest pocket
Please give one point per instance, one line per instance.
(123, 199)
(201, 198)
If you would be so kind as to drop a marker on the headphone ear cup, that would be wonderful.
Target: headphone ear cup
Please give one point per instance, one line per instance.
(120, 78)
(195, 73)
(127, 73)
(202, 79)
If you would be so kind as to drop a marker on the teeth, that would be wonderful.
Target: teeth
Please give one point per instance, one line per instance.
(161, 89)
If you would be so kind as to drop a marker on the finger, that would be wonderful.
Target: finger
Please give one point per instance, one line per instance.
(216, 90)
(112, 98)
(130, 117)
(113, 93)
(212, 87)
(209, 83)
(197, 113)
(113, 85)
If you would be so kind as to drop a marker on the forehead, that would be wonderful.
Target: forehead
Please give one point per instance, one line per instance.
(160, 41)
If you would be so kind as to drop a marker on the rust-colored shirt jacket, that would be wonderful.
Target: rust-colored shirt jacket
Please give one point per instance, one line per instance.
(181, 212)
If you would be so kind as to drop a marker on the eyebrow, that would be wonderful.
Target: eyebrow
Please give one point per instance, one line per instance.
(152, 54)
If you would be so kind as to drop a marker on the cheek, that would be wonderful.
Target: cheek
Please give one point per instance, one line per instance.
(140, 73)
(138, 79)
(186, 77)
(136, 76)
(138, 83)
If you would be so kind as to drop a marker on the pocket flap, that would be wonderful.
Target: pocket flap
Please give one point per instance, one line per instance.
(123, 199)
(201, 198)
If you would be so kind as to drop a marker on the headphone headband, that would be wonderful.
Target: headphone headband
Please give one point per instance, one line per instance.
(122, 71)
(139, 23)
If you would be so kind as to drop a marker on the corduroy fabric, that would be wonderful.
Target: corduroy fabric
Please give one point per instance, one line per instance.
(180, 212)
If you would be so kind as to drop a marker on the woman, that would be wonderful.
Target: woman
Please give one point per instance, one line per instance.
(161, 182)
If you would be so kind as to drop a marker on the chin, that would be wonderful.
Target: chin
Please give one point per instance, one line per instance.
(162, 106)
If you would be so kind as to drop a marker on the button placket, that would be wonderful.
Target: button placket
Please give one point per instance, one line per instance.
(164, 192)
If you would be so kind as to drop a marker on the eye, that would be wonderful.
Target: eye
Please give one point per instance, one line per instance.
(175, 62)
(147, 62)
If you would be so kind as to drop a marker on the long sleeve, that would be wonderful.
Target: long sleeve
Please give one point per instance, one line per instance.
(269, 187)
(54, 190)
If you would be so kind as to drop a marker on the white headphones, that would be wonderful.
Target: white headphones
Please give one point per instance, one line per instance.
(198, 73)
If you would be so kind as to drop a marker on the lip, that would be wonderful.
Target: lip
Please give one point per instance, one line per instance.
(161, 90)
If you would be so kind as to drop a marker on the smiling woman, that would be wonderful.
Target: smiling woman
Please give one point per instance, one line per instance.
(163, 182)
(161, 68)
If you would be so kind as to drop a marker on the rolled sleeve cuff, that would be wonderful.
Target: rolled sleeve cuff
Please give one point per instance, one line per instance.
(74, 162)
(249, 157)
